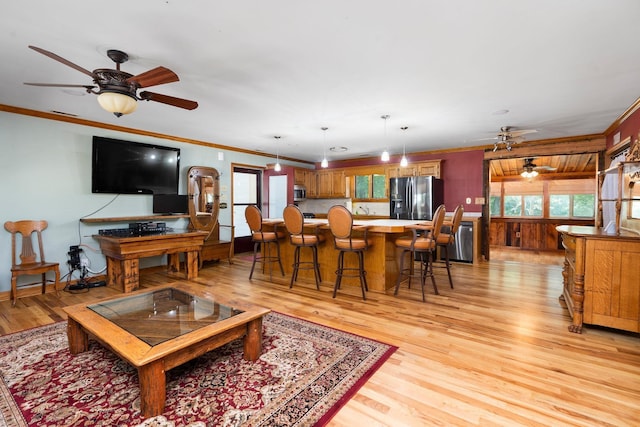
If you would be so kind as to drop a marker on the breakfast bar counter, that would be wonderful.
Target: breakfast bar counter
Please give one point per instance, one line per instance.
(380, 259)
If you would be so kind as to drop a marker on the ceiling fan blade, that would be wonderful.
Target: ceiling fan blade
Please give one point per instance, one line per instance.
(64, 61)
(515, 133)
(169, 100)
(157, 76)
(87, 87)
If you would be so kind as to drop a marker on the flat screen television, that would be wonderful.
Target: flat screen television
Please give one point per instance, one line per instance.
(125, 167)
(170, 203)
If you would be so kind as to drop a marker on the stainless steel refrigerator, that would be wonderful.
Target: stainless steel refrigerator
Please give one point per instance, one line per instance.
(415, 197)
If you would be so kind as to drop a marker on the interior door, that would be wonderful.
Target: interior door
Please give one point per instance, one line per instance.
(247, 190)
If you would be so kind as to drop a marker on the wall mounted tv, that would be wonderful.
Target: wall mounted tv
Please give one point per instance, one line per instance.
(126, 167)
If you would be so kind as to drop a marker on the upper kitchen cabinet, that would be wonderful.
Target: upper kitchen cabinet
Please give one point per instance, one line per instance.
(368, 184)
(300, 176)
(425, 168)
(331, 184)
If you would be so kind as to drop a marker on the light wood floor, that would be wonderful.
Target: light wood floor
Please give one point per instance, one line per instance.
(493, 351)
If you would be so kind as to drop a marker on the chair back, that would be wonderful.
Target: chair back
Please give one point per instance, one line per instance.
(438, 219)
(340, 221)
(457, 219)
(293, 219)
(26, 229)
(254, 218)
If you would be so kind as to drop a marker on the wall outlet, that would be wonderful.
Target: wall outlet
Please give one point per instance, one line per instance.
(468, 200)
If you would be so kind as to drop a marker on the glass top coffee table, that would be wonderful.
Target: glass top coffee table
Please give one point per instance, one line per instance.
(160, 328)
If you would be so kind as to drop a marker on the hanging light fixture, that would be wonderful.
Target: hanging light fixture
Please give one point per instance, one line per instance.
(385, 154)
(117, 103)
(404, 162)
(325, 162)
(529, 170)
(277, 167)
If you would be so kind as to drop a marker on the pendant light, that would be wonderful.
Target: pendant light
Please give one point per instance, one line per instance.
(325, 162)
(385, 153)
(277, 167)
(404, 162)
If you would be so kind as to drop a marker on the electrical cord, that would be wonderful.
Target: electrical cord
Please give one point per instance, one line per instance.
(93, 213)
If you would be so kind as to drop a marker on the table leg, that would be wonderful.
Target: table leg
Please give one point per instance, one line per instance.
(253, 340)
(153, 388)
(191, 264)
(173, 262)
(131, 279)
(78, 338)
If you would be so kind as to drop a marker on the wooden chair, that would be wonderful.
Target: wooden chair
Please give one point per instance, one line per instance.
(260, 237)
(294, 222)
(342, 228)
(423, 243)
(29, 263)
(445, 239)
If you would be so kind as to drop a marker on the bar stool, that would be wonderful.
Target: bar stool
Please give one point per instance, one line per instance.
(449, 237)
(254, 219)
(423, 242)
(342, 228)
(294, 221)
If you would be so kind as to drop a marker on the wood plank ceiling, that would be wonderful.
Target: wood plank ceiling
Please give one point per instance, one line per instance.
(568, 166)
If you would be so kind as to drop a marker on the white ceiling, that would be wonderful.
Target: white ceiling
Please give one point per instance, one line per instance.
(261, 68)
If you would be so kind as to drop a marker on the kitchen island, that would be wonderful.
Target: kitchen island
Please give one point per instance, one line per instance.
(381, 259)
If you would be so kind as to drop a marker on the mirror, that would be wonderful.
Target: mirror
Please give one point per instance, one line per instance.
(204, 197)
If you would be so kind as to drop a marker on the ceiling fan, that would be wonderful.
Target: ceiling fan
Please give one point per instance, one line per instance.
(118, 90)
(530, 169)
(508, 136)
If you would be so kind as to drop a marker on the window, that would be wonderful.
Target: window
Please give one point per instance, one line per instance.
(560, 198)
(368, 187)
(532, 205)
(512, 205)
(523, 205)
(495, 205)
(572, 205)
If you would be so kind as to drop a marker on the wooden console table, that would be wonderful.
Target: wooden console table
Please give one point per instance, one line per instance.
(123, 255)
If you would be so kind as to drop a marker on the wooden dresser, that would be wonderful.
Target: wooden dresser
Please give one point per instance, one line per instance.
(601, 277)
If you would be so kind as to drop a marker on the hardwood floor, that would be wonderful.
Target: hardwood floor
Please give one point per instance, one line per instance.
(493, 351)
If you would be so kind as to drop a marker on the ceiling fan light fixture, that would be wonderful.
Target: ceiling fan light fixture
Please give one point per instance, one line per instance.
(528, 174)
(117, 103)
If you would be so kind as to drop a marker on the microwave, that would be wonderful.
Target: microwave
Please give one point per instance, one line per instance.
(299, 193)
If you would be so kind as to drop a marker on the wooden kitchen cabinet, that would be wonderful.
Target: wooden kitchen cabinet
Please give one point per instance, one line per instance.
(338, 184)
(331, 184)
(601, 277)
(431, 168)
(311, 183)
(300, 176)
(425, 168)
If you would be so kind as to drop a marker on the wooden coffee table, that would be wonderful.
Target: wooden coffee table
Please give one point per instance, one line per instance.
(160, 328)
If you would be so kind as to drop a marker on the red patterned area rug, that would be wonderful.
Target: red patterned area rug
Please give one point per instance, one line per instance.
(305, 374)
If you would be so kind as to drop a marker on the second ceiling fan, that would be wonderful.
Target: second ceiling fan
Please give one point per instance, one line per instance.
(509, 136)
